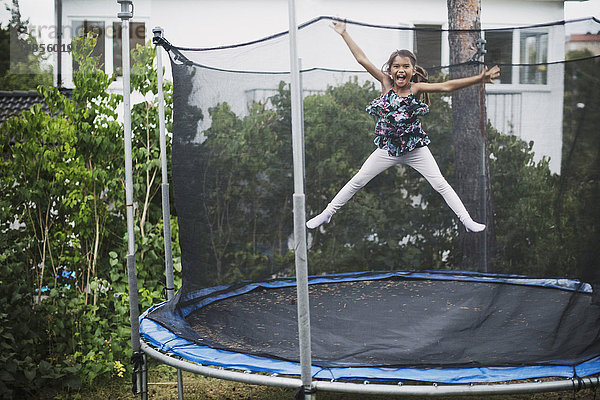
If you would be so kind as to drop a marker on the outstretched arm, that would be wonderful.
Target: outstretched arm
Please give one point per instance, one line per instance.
(486, 76)
(340, 27)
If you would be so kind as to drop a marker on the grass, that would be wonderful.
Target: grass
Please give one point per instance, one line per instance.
(162, 385)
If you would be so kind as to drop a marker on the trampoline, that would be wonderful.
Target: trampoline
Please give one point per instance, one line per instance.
(443, 331)
(436, 326)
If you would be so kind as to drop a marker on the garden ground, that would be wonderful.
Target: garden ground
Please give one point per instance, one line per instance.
(163, 386)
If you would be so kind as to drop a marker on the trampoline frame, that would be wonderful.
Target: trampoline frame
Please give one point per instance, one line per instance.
(141, 348)
(367, 387)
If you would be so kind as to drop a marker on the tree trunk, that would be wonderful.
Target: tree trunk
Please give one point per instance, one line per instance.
(469, 121)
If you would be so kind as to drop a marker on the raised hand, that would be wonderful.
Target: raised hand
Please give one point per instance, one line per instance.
(339, 26)
(488, 76)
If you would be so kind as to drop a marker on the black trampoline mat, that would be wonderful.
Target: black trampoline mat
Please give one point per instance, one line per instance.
(409, 323)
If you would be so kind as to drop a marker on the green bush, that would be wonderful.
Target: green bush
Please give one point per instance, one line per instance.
(64, 307)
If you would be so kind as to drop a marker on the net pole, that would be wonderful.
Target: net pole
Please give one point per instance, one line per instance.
(484, 247)
(166, 205)
(138, 358)
(158, 33)
(301, 260)
(481, 51)
(483, 176)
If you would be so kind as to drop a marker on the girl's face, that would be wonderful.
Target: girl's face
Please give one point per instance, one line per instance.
(401, 71)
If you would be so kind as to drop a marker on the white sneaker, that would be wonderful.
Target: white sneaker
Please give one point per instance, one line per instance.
(473, 226)
(319, 220)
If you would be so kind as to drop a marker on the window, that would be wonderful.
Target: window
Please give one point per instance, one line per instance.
(427, 45)
(83, 28)
(534, 50)
(499, 51)
(137, 36)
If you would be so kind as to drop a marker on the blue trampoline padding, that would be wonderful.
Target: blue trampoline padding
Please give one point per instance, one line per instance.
(164, 340)
(591, 367)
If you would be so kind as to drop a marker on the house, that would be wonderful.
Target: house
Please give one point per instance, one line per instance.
(521, 103)
(588, 41)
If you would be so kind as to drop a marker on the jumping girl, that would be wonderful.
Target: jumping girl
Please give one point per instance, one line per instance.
(400, 138)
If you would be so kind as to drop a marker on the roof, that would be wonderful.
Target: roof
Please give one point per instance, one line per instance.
(585, 38)
(15, 102)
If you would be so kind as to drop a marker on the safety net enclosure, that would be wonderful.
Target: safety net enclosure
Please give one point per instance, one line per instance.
(394, 293)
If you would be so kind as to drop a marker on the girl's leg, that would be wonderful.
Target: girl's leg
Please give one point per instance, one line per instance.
(377, 162)
(422, 160)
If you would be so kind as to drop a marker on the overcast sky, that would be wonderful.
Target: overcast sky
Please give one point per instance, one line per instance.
(578, 9)
(41, 12)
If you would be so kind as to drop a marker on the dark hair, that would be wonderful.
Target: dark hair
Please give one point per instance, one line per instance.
(421, 74)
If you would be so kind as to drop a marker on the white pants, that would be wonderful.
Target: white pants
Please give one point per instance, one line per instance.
(420, 159)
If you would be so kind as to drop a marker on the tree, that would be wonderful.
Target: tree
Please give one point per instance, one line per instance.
(21, 61)
(579, 222)
(528, 240)
(469, 122)
(58, 180)
(244, 178)
(147, 165)
(97, 154)
(62, 230)
(397, 222)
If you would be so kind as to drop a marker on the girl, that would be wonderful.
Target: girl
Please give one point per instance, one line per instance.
(400, 138)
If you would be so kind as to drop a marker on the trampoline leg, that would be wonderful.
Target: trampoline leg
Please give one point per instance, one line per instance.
(310, 395)
(179, 385)
(144, 374)
(140, 375)
(305, 393)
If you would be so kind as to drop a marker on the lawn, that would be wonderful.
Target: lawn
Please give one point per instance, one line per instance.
(163, 386)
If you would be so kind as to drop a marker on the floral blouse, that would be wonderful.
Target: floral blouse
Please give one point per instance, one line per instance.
(398, 127)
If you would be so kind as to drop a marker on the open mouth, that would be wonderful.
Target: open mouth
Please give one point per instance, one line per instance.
(400, 78)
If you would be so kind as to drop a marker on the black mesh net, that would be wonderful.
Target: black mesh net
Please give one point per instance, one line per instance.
(233, 166)
(523, 154)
